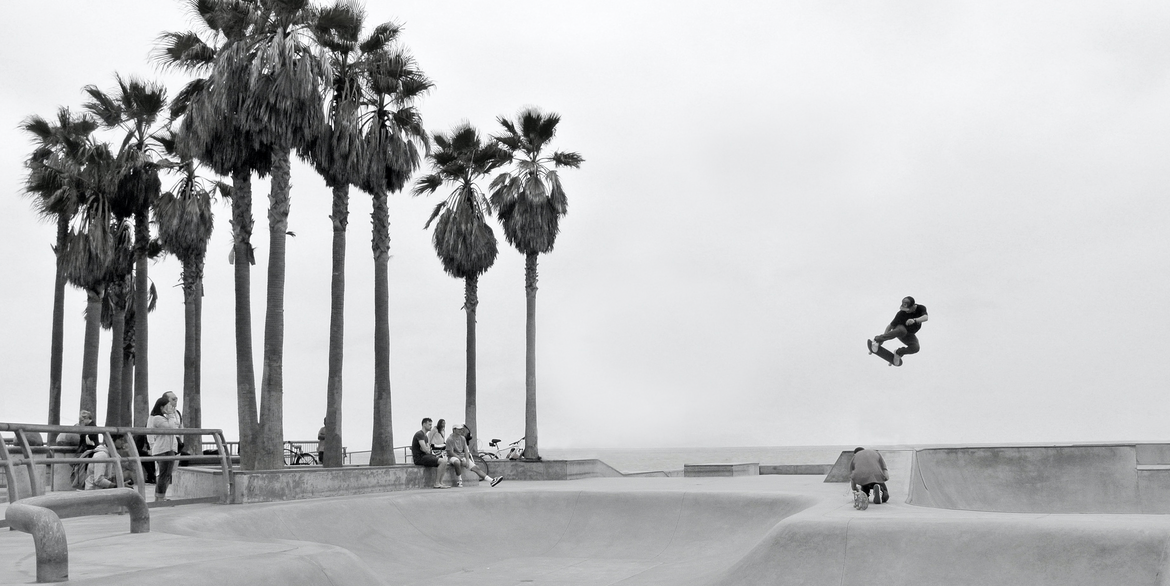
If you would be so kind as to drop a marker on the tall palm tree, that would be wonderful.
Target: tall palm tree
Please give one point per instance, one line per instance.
(336, 154)
(88, 252)
(113, 318)
(212, 133)
(465, 243)
(185, 223)
(392, 133)
(530, 202)
(54, 199)
(136, 107)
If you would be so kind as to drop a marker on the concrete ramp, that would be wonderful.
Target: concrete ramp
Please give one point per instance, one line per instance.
(556, 537)
(957, 552)
(1132, 478)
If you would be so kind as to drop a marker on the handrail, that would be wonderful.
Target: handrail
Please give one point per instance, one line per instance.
(28, 454)
(41, 516)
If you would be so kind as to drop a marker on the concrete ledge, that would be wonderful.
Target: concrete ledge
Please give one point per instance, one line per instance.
(303, 482)
(732, 469)
(809, 469)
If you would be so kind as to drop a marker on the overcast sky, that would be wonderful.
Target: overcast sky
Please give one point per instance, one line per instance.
(764, 181)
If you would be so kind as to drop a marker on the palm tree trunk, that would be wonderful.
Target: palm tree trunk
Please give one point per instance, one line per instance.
(245, 371)
(382, 450)
(530, 437)
(192, 354)
(470, 303)
(340, 218)
(126, 406)
(114, 397)
(89, 361)
(271, 455)
(141, 304)
(57, 345)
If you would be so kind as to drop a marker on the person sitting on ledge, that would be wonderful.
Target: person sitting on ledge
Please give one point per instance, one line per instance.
(102, 472)
(868, 471)
(420, 452)
(460, 456)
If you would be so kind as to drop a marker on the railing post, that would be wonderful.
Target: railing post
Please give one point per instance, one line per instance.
(225, 463)
(48, 535)
(34, 480)
(9, 474)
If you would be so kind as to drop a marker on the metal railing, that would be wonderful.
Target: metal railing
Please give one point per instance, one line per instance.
(296, 452)
(23, 453)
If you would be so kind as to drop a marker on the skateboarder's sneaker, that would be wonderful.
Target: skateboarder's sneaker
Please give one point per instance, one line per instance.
(497, 480)
(877, 495)
(897, 359)
(874, 345)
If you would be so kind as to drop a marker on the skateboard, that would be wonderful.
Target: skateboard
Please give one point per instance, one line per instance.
(886, 355)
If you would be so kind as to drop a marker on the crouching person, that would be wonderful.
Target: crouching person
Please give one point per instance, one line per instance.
(420, 452)
(103, 469)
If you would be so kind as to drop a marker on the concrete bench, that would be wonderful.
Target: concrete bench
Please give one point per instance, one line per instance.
(41, 517)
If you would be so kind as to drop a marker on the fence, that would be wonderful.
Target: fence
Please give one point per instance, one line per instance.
(28, 455)
(296, 453)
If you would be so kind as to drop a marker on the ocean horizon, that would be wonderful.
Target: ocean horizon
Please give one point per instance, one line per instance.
(652, 459)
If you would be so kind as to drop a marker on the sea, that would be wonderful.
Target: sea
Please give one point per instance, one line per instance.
(651, 459)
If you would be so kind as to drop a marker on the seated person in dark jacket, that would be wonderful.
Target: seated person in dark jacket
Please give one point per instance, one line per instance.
(420, 451)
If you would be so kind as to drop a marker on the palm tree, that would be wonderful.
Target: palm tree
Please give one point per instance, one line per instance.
(137, 108)
(54, 199)
(336, 154)
(261, 101)
(88, 252)
(113, 318)
(185, 223)
(220, 142)
(530, 202)
(465, 243)
(392, 133)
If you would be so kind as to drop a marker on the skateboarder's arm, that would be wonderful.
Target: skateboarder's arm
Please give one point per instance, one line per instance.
(917, 320)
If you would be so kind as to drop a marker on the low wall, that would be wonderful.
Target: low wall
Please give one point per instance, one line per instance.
(303, 482)
(1125, 478)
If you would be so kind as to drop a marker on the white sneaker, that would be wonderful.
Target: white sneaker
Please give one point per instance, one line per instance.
(877, 495)
(897, 360)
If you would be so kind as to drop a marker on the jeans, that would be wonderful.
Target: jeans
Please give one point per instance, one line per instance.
(163, 479)
(868, 489)
(910, 340)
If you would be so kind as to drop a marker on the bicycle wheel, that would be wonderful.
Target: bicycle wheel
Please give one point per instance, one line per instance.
(481, 459)
(306, 459)
(290, 457)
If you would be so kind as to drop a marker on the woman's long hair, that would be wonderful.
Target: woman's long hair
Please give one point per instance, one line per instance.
(158, 405)
(442, 427)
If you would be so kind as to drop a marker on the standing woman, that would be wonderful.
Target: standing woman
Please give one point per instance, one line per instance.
(164, 416)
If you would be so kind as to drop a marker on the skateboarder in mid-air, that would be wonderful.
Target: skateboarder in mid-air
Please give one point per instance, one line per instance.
(905, 324)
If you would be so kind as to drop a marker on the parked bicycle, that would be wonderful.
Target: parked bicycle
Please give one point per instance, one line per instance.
(512, 451)
(295, 455)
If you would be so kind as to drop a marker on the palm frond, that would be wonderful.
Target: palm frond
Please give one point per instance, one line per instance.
(573, 160)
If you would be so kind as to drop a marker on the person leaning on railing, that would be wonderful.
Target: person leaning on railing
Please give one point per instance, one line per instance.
(164, 416)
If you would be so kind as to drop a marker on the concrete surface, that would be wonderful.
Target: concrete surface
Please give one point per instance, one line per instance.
(770, 529)
(304, 482)
(1131, 478)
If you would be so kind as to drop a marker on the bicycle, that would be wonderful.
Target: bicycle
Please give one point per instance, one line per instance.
(513, 451)
(295, 455)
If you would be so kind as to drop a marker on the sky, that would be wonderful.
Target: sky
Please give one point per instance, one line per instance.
(763, 183)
